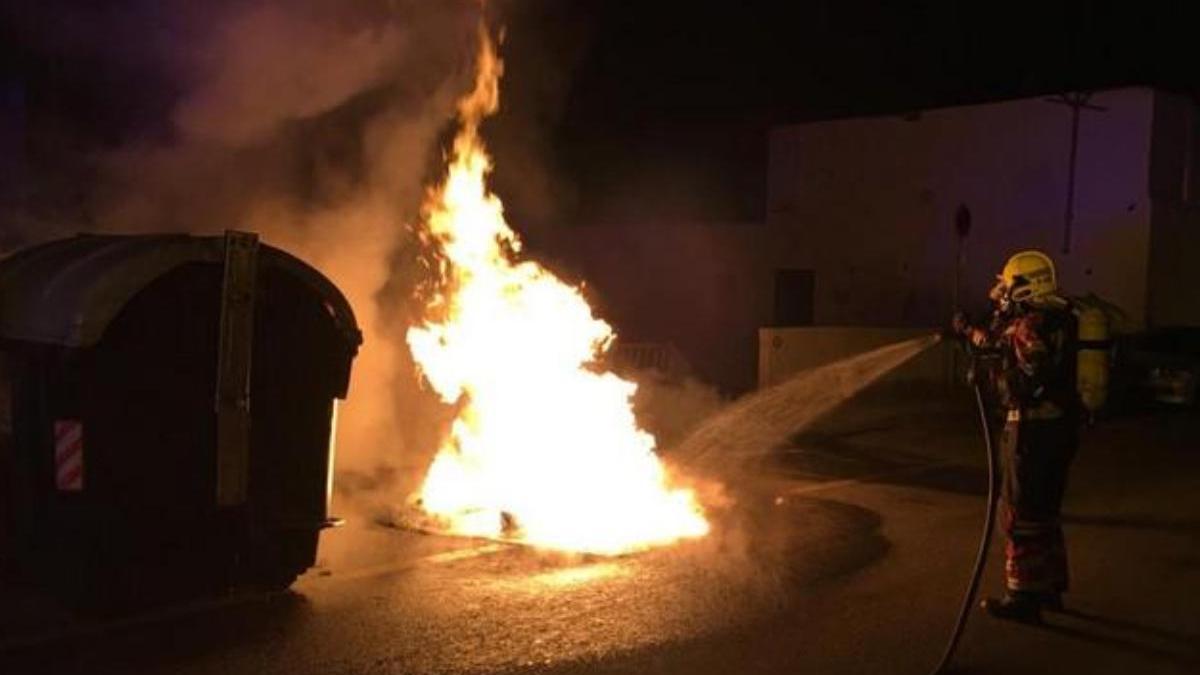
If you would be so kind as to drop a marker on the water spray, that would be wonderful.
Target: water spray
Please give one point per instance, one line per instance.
(758, 423)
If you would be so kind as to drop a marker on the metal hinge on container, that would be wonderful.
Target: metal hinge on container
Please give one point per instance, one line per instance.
(236, 338)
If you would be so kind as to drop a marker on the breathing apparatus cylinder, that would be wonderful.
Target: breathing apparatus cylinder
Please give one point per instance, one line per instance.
(1092, 368)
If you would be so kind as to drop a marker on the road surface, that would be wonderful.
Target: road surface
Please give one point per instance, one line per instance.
(845, 553)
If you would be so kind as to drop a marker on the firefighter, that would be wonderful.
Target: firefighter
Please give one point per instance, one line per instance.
(1032, 336)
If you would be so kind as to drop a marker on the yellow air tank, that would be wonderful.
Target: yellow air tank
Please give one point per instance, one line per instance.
(1093, 357)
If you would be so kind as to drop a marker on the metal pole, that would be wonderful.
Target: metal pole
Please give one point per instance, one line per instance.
(1070, 215)
(1077, 101)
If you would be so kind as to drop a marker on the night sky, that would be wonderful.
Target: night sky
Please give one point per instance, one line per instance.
(697, 84)
(640, 110)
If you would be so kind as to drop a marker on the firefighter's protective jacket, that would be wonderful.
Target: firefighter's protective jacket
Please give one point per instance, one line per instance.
(1036, 370)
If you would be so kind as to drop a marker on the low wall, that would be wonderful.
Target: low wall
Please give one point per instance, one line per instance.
(782, 352)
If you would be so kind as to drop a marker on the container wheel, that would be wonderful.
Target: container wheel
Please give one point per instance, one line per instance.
(281, 556)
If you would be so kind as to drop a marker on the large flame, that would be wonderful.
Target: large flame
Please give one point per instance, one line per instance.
(545, 447)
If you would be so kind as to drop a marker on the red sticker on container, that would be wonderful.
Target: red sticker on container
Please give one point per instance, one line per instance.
(68, 455)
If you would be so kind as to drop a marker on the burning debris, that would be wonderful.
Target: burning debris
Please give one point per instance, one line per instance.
(545, 448)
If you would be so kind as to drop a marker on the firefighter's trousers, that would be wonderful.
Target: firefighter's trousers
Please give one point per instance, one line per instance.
(1036, 456)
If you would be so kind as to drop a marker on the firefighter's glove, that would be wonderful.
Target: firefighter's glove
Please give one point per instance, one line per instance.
(959, 328)
(960, 323)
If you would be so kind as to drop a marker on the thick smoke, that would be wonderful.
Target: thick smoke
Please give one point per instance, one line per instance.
(671, 408)
(316, 123)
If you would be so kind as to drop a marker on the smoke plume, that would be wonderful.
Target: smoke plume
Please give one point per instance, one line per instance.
(316, 123)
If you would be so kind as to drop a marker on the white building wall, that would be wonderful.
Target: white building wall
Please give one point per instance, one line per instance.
(869, 204)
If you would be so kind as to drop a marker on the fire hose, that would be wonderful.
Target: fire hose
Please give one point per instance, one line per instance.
(989, 522)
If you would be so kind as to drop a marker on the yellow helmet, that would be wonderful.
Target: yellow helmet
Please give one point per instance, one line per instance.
(1029, 276)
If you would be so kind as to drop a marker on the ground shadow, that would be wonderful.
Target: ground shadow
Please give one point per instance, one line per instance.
(1184, 638)
(826, 456)
(808, 539)
(1180, 655)
(1187, 526)
(136, 643)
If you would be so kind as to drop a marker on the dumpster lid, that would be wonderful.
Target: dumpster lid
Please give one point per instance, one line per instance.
(66, 292)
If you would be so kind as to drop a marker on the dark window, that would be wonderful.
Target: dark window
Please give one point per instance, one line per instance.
(1175, 151)
(1191, 166)
(794, 297)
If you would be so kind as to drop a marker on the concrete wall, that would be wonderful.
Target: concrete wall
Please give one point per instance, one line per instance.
(703, 287)
(783, 352)
(869, 204)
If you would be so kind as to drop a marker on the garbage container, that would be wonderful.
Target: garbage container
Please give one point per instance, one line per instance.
(167, 410)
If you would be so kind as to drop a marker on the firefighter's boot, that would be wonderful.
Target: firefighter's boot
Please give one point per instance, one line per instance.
(1020, 607)
(1053, 602)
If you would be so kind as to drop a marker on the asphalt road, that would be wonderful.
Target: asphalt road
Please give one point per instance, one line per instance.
(845, 554)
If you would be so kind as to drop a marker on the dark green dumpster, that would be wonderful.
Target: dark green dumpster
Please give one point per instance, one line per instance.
(167, 411)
